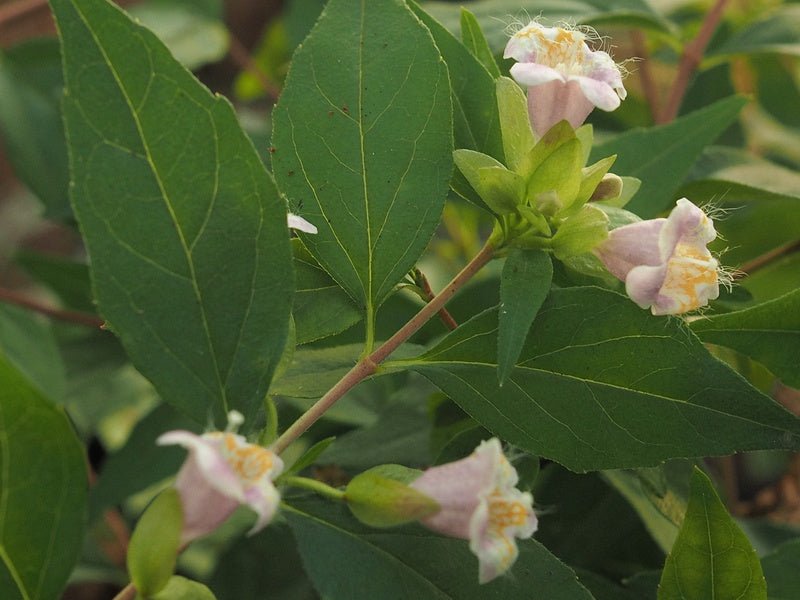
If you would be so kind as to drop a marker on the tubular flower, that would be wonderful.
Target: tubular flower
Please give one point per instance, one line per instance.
(565, 78)
(479, 503)
(221, 472)
(664, 262)
(299, 223)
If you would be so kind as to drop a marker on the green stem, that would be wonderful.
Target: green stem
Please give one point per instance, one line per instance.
(315, 486)
(368, 365)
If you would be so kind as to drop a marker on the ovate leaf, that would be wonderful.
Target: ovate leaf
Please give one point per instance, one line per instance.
(712, 559)
(601, 383)
(524, 285)
(42, 492)
(768, 333)
(662, 156)
(412, 562)
(187, 236)
(780, 570)
(362, 137)
(473, 38)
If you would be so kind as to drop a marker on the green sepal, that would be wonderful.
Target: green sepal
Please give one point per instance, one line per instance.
(558, 135)
(617, 217)
(560, 172)
(498, 187)
(473, 38)
(515, 123)
(585, 133)
(155, 542)
(588, 264)
(591, 177)
(180, 588)
(501, 189)
(630, 185)
(581, 232)
(535, 219)
(380, 497)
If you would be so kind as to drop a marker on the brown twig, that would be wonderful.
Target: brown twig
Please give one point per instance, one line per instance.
(425, 286)
(242, 58)
(15, 10)
(761, 261)
(71, 316)
(690, 60)
(645, 73)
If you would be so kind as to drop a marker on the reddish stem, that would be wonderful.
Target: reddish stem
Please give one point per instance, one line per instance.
(425, 286)
(71, 316)
(690, 60)
(369, 364)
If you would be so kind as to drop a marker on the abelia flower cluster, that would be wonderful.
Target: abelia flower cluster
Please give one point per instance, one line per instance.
(665, 263)
(222, 472)
(565, 78)
(480, 503)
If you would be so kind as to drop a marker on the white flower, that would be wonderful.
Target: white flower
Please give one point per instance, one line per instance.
(221, 472)
(565, 78)
(479, 502)
(299, 223)
(664, 262)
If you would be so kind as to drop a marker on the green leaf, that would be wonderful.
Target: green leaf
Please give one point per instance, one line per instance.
(180, 588)
(761, 198)
(641, 389)
(476, 122)
(524, 285)
(712, 559)
(412, 562)
(27, 343)
(363, 139)
(30, 122)
(778, 33)
(67, 278)
(780, 571)
(42, 495)
(155, 543)
(191, 36)
(473, 38)
(768, 333)
(662, 156)
(514, 122)
(321, 308)
(187, 236)
(310, 456)
(503, 190)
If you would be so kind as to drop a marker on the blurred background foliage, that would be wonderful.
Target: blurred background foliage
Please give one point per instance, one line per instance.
(242, 48)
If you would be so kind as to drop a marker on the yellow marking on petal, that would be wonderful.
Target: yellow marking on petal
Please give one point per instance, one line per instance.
(689, 279)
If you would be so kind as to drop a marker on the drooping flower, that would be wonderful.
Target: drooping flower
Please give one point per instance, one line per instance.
(665, 263)
(221, 472)
(565, 78)
(299, 223)
(479, 502)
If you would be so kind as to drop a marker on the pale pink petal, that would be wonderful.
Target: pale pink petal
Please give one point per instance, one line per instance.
(643, 284)
(556, 101)
(204, 507)
(264, 500)
(532, 74)
(456, 487)
(211, 464)
(522, 45)
(599, 93)
(689, 283)
(299, 223)
(686, 224)
(631, 245)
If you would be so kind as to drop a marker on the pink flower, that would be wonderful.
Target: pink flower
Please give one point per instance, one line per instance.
(664, 262)
(480, 503)
(565, 79)
(221, 472)
(299, 223)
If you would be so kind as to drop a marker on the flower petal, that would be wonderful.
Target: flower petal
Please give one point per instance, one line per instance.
(556, 101)
(299, 223)
(532, 74)
(686, 224)
(643, 284)
(631, 245)
(598, 93)
(264, 500)
(689, 283)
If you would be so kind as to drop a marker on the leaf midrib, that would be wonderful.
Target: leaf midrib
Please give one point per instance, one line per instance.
(165, 198)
